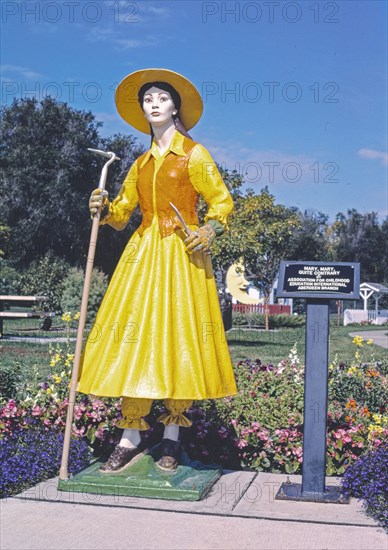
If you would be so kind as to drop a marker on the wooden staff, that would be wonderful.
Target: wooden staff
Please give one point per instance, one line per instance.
(63, 472)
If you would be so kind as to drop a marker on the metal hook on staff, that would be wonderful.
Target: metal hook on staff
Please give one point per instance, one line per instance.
(63, 473)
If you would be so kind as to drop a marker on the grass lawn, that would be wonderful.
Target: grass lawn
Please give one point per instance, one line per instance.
(273, 346)
(270, 347)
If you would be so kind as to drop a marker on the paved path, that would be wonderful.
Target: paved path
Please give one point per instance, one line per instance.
(379, 337)
(37, 339)
(239, 513)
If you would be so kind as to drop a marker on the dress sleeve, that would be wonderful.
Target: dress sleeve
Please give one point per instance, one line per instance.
(207, 181)
(121, 208)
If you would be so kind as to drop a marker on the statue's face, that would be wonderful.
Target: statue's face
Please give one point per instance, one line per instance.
(158, 107)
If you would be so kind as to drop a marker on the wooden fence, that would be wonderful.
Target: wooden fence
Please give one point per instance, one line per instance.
(274, 309)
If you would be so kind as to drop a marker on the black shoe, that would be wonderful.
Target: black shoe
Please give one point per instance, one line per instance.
(170, 451)
(122, 457)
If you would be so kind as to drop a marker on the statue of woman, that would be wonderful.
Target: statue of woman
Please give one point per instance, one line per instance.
(158, 333)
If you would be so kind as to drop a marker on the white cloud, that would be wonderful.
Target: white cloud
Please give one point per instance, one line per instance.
(129, 44)
(25, 72)
(130, 12)
(100, 34)
(157, 10)
(266, 167)
(372, 154)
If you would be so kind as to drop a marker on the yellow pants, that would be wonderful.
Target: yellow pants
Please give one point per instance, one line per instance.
(133, 410)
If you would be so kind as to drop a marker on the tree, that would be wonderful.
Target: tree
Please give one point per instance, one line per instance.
(128, 150)
(357, 237)
(47, 175)
(260, 233)
(309, 240)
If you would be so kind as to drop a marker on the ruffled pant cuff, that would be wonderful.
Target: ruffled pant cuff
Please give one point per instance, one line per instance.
(136, 424)
(178, 419)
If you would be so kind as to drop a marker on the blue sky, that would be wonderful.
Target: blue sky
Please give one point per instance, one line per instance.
(295, 92)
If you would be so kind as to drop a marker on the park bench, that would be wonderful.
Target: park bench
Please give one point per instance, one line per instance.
(27, 302)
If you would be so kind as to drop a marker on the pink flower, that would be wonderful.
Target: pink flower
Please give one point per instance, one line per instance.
(99, 433)
(36, 411)
(222, 433)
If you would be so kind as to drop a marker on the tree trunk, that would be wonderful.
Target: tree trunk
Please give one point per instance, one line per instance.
(266, 312)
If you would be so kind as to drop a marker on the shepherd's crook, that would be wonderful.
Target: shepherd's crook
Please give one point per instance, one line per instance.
(63, 473)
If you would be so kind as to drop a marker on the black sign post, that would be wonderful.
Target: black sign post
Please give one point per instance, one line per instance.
(318, 283)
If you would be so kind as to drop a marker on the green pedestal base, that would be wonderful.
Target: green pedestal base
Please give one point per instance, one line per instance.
(191, 481)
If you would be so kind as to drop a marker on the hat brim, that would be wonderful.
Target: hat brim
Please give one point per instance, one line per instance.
(128, 106)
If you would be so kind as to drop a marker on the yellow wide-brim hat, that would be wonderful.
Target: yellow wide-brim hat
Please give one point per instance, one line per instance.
(130, 110)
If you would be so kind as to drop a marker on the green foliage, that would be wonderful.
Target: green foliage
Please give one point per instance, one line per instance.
(275, 321)
(361, 238)
(259, 235)
(308, 241)
(10, 380)
(47, 175)
(111, 243)
(9, 278)
(265, 396)
(44, 277)
(72, 291)
(267, 414)
(5, 233)
(364, 382)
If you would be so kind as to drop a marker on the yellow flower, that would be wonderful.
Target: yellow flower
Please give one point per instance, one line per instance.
(66, 317)
(77, 316)
(358, 340)
(369, 342)
(55, 360)
(57, 378)
(49, 391)
(377, 418)
(69, 360)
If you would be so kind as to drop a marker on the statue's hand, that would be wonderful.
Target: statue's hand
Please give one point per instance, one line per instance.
(98, 200)
(201, 239)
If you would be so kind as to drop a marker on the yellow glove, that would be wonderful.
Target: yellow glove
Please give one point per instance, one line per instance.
(98, 200)
(201, 239)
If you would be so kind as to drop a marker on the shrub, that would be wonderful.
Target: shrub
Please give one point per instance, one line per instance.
(367, 479)
(72, 291)
(29, 456)
(44, 277)
(263, 424)
(10, 380)
(364, 382)
(239, 319)
(275, 321)
(9, 278)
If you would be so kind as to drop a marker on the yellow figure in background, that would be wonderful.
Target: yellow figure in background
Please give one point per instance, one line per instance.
(158, 333)
(238, 285)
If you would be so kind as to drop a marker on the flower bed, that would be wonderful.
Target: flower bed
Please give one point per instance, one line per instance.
(29, 456)
(261, 428)
(367, 479)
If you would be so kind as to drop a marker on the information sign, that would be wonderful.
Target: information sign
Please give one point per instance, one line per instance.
(330, 280)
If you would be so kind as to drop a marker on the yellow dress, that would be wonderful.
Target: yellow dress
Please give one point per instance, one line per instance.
(158, 333)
